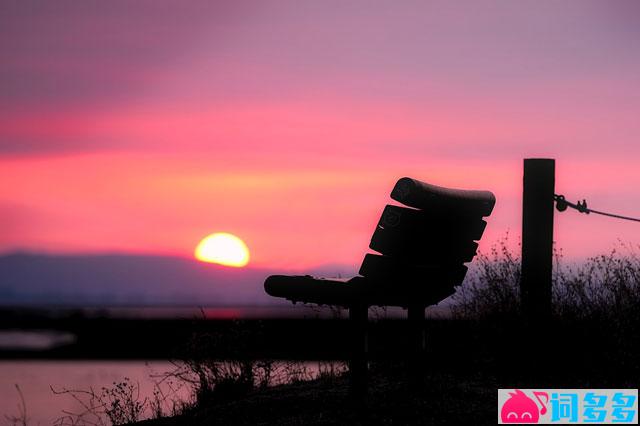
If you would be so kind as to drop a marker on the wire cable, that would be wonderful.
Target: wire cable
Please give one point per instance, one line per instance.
(581, 206)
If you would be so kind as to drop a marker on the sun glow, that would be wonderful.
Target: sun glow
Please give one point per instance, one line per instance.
(224, 249)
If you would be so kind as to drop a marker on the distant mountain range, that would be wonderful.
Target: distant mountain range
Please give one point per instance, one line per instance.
(114, 280)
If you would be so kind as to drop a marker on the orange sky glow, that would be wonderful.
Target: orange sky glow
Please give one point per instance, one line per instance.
(288, 123)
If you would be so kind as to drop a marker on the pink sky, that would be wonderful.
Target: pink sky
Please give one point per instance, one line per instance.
(144, 126)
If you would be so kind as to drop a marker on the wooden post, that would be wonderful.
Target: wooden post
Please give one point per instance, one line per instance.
(358, 318)
(415, 316)
(537, 238)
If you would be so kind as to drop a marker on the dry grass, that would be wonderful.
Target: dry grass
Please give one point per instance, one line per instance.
(605, 287)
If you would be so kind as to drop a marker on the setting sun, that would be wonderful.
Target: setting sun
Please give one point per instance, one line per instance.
(224, 249)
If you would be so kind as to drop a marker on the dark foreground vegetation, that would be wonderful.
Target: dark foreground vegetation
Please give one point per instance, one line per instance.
(592, 341)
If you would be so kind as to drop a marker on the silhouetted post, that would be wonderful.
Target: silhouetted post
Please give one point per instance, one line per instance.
(358, 318)
(415, 316)
(537, 237)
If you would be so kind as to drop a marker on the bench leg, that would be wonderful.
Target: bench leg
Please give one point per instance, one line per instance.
(417, 347)
(358, 318)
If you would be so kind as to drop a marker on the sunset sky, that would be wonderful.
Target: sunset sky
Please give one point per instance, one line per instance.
(143, 126)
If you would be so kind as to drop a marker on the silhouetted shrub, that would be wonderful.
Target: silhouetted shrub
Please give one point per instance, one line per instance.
(492, 286)
(605, 287)
(117, 405)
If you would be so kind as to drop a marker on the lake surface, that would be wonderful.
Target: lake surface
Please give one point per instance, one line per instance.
(35, 379)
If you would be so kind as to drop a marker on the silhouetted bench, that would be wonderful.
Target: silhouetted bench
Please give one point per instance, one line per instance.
(422, 250)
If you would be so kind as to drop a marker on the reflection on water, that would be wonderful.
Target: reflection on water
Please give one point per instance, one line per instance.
(35, 340)
(285, 311)
(36, 378)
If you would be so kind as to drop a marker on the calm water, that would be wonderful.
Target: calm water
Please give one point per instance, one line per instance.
(36, 378)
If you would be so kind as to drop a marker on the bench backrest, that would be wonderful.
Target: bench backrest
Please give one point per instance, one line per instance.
(422, 250)
(423, 247)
